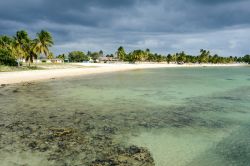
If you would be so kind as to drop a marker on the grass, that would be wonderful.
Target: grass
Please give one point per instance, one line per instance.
(15, 68)
(39, 66)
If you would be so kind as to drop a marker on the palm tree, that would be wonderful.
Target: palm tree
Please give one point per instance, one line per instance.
(17, 51)
(42, 43)
(51, 55)
(6, 42)
(121, 54)
(25, 44)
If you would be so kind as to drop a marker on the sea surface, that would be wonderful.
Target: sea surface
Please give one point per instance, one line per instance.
(169, 117)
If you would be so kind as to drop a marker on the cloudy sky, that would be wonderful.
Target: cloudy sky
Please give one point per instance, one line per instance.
(163, 26)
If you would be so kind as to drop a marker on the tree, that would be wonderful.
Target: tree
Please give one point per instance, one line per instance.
(151, 57)
(101, 53)
(203, 58)
(95, 55)
(121, 54)
(159, 58)
(89, 53)
(181, 57)
(51, 55)
(61, 56)
(77, 56)
(147, 54)
(175, 57)
(246, 59)
(6, 58)
(42, 43)
(24, 45)
(5, 42)
(169, 58)
(137, 55)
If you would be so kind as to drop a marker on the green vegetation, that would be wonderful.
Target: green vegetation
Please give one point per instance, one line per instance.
(19, 47)
(62, 57)
(4, 68)
(121, 53)
(42, 43)
(6, 58)
(95, 55)
(204, 57)
(77, 56)
(14, 50)
(246, 59)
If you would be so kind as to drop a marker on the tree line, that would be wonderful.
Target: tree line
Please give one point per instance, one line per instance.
(20, 46)
(147, 56)
(181, 57)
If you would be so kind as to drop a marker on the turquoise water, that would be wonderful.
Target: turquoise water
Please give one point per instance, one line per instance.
(182, 116)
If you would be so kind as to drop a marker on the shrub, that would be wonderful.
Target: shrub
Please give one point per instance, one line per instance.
(77, 56)
(6, 58)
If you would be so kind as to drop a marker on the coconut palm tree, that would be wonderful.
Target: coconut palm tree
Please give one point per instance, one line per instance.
(24, 45)
(51, 55)
(5, 42)
(17, 51)
(42, 43)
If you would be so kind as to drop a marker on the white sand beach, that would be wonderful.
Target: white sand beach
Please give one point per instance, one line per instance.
(88, 68)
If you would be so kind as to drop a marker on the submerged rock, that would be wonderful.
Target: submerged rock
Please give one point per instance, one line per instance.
(15, 91)
(3, 85)
(131, 156)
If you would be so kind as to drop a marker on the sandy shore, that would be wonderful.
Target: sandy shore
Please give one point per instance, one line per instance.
(36, 75)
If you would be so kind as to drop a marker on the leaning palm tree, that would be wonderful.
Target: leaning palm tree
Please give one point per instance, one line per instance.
(5, 42)
(23, 44)
(17, 51)
(42, 43)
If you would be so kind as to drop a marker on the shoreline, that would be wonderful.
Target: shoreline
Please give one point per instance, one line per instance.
(39, 75)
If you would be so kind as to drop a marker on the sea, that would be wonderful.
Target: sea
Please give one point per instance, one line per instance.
(194, 116)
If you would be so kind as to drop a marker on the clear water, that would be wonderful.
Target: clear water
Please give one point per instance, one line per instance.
(183, 116)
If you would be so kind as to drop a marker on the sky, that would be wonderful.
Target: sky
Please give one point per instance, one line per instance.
(163, 26)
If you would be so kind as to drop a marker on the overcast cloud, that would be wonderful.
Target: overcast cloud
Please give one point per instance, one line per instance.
(164, 26)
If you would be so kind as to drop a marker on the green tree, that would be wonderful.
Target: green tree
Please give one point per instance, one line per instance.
(42, 43)
(137, 55)
(175, 57)
(181, 57)
(61, 56)
(94, 55)
(159, 58)
(246, 59)
(151, 57)
(203, 58)
(169, 58)
(101, 53)
(24, 44)
(77, 56)
(5, 42)
(6, 58)
(51, 55)
(89, 53)
(17, 51)
(121, 54)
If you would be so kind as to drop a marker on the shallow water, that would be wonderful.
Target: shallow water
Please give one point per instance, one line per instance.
(182, 116)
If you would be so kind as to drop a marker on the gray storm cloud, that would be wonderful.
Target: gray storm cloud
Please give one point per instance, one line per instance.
(164, 26)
